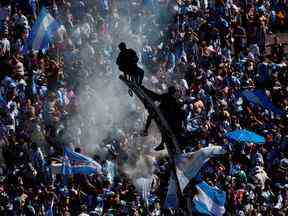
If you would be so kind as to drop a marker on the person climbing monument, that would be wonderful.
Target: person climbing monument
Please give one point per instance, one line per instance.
(127, 63)
(171, 110)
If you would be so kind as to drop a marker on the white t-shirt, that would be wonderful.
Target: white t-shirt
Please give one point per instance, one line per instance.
(4, 46)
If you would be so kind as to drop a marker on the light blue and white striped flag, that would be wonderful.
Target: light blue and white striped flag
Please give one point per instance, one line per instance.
(42, 32)
(188, 165)
(76, 163)
(209, 200)
(171, 201)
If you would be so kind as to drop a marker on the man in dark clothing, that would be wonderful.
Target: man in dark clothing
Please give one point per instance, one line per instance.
(171, 111)
(127, 62)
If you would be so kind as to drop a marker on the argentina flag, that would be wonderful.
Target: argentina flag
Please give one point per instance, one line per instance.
(42, 32)
(172, 201)
(188, 165)
(75, 163)
(209, 200)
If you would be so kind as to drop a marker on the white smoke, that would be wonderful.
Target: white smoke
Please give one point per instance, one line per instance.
(105, 104)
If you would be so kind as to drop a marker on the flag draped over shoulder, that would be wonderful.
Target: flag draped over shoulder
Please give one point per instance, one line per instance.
(172, 201)
(209, 200)
(42, 32)
(76, 163)
(188, 165)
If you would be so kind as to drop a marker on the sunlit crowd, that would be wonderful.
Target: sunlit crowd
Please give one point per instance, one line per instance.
(210, 51)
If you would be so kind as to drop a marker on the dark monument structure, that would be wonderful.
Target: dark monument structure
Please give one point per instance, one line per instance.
(169, 138)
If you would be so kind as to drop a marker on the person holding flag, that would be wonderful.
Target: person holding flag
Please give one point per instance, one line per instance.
(42, 32)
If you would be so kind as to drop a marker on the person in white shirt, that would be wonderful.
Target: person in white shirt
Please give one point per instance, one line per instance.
(4, 45)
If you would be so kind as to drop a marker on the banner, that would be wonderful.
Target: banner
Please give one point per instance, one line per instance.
(209, 200)
(172, 201)
(188, 165)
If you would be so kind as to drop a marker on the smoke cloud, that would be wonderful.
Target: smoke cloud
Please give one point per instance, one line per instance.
(105, 107)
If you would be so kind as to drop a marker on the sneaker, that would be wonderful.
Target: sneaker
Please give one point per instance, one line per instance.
(159, 147)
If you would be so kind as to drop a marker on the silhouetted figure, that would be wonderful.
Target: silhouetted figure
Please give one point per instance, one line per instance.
(171, 110)
(127, 62)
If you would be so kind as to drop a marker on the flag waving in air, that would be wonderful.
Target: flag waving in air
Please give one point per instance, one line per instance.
(76, 163)
(171, 201)
(209, 200)
(42, 32)
(188, 165)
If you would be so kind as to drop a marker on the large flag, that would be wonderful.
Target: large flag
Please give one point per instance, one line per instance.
(259, 97)
(188, 165)
(77, 157)
(42, 32)
(76, 163)
(172, 201)
(209, 200)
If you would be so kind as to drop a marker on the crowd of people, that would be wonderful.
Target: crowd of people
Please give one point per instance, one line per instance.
(210, 51)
